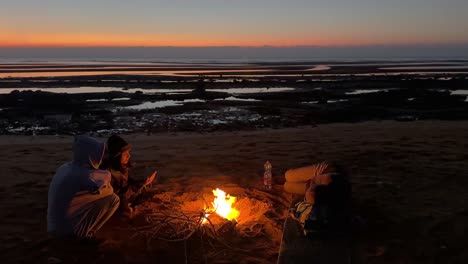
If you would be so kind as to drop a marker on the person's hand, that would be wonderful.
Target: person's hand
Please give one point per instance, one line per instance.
(150, 179)
(130, 212)
(127, 212)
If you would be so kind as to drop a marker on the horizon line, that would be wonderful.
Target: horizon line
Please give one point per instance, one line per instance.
(240, 46)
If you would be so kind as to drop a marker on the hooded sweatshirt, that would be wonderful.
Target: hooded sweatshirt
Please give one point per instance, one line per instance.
(76, 185)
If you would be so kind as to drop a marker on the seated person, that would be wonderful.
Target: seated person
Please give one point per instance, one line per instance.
(81, 198)
(117, 163)
(305, 179)
(326, 189)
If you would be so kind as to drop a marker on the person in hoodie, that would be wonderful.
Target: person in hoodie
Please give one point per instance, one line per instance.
(81, 198)
(118, 163)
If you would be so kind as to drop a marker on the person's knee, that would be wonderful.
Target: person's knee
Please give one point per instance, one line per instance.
(110, 202)
(114, 200)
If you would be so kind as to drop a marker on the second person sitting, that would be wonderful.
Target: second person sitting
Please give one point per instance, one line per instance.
(117, 162)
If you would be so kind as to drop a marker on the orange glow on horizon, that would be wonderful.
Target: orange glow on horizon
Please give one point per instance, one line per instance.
(103, 40)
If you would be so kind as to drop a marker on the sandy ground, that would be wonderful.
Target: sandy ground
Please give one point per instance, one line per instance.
(409, 186)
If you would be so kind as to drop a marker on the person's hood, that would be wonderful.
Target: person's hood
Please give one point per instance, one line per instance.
(88, 151)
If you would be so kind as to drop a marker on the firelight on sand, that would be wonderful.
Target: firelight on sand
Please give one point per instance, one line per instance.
(222, 205)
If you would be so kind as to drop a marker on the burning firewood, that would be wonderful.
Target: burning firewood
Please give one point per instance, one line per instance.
(227, 229)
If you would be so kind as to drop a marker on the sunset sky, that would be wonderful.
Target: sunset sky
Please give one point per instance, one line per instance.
(136, 23)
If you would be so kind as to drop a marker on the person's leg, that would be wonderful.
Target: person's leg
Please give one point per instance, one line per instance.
(91, 218)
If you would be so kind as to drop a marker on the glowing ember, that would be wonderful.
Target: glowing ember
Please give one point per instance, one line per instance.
(222, 205)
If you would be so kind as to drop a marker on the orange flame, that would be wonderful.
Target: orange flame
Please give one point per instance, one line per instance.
(222, 205)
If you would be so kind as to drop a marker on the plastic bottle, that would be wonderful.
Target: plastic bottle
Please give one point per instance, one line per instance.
(267, 181)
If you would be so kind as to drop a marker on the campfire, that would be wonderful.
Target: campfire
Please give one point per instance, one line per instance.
(222, 205)
(214, 224)
(216, 221)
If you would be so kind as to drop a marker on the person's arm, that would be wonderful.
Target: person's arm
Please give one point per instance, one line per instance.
(138, 185)
(310, 193)
(98, 182)
(124, 204)
(135, 185)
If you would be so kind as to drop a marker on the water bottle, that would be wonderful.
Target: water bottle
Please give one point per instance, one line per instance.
(267, 176)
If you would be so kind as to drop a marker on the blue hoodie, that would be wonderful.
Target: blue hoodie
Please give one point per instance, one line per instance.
(76, 185)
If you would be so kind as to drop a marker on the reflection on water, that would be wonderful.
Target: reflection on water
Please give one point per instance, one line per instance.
(185, 72)
(328, 101)
(459, 92)
(96, 100)
(33, 129)
(219, 116)
(355, 92)
(320, 68)
(222, 80)
(337, 101)
(218, 122)
(64, 74)
(232, 98)
(152, 91)
(124, 64)
(161, 104)
(419, 68)
(85, 89)
(105, 100)
(371, 74)
(84, 68)
(252, 90)
(217, 73)
(74, 90)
